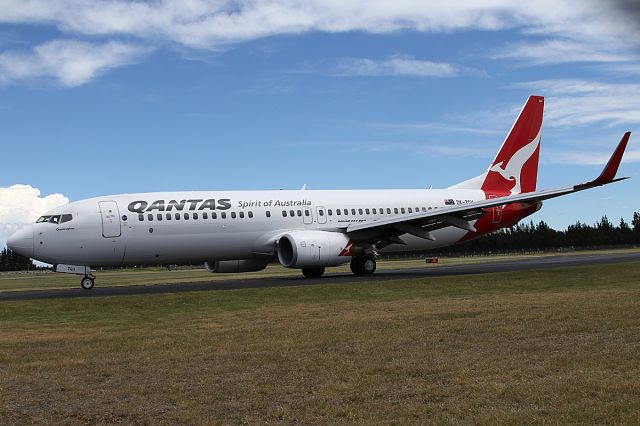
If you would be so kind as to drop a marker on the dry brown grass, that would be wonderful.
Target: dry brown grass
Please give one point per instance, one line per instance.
(513, 354)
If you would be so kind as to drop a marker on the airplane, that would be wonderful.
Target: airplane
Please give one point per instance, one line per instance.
(242, 231)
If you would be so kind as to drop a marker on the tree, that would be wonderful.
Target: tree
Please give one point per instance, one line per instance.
(12, 261)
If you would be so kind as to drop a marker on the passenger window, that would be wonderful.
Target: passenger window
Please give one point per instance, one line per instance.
(321, 212)
(223, 215)
(284, 213)
(374, 211)
(250, 214)
(299, 213)
(241, 215)
(150, 217)
(205, 215)
(177, 216)
(424, 209)
(186, 216)
(346, 212)
(367, 211)
(159, 216)
(233, 215)
(359, 211)
(214, 215)
(65, 218)
(195, 215)
(268, 213)
(402, 210)
(388, 210)
(353, 211)
(307, 213)
(330, 212)
(292, 213)
(140, 217)
(410, 210)
(337, 212)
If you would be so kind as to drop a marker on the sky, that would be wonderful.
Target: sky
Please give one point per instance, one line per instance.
(106, 97)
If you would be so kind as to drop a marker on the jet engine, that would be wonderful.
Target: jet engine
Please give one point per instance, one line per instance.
(308, 249)
(242, 265)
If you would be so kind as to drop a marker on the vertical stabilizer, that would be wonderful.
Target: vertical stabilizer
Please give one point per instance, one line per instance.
(514, 170)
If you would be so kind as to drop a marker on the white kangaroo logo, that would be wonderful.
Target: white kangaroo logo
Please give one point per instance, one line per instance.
(513, 169)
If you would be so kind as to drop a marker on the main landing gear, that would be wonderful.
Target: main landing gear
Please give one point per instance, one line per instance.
(363, 265)
(87, 282)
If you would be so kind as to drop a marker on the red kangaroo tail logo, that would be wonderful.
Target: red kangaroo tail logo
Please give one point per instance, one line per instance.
(347, 250)
(515, 168)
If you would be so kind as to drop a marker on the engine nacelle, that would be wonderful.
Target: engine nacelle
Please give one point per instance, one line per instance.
(231, 266)
(307, 249)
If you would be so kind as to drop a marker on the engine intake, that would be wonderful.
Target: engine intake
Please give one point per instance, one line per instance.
(231, 266)
(305, 249)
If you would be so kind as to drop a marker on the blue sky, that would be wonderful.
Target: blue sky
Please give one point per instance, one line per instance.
(109, 97)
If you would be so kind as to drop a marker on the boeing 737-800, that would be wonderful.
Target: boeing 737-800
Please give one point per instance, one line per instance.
(241, 231)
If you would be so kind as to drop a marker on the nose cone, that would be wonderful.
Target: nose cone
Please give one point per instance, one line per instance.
(22, 241)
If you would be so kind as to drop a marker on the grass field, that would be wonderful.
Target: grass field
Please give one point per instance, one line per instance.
(552, 346)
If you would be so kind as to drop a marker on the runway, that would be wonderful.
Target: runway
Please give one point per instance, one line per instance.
(536, 263)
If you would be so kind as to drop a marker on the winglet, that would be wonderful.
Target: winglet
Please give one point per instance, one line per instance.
(609, 172)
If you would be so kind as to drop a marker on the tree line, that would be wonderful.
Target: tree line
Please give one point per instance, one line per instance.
(12, 261)
(527, 236)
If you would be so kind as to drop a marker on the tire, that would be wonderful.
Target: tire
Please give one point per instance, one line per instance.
(313, 272)
(368, 265)
(87, 283)
(363, 265)
(356, 266)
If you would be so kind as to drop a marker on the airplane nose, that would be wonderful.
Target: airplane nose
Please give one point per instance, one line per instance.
(22, 241)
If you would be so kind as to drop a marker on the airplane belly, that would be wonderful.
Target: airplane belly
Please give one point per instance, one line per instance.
(165, 246)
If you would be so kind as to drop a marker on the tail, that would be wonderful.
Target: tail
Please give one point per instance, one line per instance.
(515, 168)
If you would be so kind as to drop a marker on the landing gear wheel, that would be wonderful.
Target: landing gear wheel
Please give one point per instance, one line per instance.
(313, 272)
(87, 283)
(363, 265)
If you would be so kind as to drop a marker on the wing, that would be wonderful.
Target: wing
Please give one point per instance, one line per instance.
(421, 224)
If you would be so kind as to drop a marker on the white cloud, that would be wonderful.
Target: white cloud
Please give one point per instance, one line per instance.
(395, 65)
(22, 204)
(435, 128)
(214, 23)
(589, 30)
(572, 103)
(566, 51)
(69, 62)
(589, 158)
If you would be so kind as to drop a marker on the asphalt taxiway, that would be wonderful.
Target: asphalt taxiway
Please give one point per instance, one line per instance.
(534, 263)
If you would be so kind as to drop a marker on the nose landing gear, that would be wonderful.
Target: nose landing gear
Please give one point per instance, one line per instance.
(87, 282)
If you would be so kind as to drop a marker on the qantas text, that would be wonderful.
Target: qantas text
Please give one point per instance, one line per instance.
(160, 205)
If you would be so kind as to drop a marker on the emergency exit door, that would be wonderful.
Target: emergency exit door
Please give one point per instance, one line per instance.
(110, 219)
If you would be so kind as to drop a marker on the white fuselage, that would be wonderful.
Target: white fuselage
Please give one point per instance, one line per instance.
(178, 227)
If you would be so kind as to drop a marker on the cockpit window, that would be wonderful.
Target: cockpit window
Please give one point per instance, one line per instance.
(55, 218)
